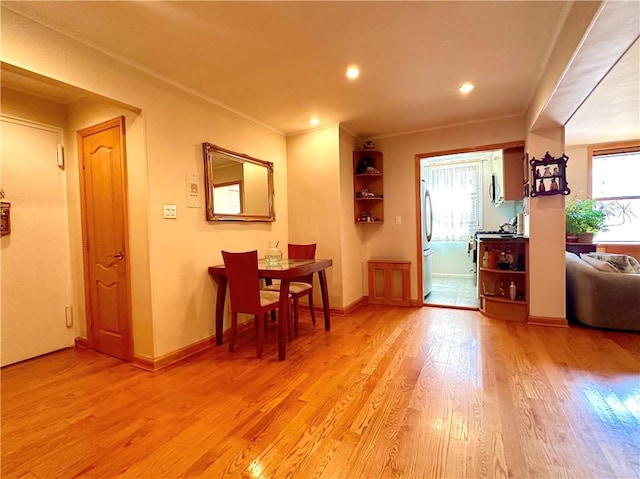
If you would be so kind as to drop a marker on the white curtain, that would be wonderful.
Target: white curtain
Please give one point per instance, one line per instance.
(455, 193)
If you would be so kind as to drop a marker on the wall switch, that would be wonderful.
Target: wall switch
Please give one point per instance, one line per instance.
(398, 220)
(169, 211)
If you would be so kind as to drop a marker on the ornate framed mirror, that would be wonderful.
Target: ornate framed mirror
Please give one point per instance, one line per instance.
(237, 186)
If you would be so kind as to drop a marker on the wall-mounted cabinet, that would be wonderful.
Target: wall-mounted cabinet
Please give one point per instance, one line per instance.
(507, 176)
(368, 186)
(505, 263)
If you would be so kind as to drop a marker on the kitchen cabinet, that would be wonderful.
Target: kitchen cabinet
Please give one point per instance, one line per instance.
(368, 186)
(507, 176)
(494, 282)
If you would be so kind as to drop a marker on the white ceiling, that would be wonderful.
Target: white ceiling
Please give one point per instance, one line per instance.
(284, 62)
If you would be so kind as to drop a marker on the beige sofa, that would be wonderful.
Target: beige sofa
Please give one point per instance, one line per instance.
(602, 299)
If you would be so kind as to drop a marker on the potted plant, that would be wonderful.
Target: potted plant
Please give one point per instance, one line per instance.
(583, 219)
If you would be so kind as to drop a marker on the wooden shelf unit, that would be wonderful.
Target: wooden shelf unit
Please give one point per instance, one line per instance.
(492, 303)
(368, 186)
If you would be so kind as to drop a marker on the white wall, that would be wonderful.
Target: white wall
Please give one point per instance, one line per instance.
(578, 170)
(314, 201)
(354, 266)
(172, 125)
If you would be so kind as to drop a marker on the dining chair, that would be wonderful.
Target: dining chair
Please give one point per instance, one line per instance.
(302, 286)
(246, 296)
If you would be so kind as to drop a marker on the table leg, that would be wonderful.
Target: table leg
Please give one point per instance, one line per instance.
(283, 319)
(325, 299)
(220, 296)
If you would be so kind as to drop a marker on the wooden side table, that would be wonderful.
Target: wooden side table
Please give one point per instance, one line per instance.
(389, 282)
(578, 248)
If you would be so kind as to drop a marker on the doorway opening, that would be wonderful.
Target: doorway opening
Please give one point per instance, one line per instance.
(452, 209)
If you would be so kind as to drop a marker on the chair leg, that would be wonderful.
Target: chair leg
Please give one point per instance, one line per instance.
(260, 341)
(234, 328)
(295, 316)
(313, 315)
(288, 318)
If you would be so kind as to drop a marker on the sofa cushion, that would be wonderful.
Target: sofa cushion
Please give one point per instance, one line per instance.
(620, 262)
(598, 264)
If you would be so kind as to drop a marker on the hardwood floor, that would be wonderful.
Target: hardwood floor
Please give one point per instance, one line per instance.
(387, 393)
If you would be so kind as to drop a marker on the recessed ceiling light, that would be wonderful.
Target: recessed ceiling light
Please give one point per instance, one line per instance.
(314, 121)
(466, 87)
(353, 72)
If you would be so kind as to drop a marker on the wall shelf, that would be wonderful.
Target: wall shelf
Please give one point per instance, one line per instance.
(549, 176)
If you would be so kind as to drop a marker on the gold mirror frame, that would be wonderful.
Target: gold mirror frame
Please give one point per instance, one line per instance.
(214, 157)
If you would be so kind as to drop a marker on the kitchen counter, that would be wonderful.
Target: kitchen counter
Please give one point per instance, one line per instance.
(501, 237)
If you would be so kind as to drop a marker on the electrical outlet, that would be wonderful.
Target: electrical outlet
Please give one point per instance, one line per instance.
(398, 220)
(169, 211)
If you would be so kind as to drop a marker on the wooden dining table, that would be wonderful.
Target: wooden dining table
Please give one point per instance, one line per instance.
(285, 271)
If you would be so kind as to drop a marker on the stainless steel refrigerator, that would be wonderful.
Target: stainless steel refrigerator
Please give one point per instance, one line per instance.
(427, 226)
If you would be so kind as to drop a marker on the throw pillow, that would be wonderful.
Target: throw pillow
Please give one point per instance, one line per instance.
(621, 262)
(598, 264)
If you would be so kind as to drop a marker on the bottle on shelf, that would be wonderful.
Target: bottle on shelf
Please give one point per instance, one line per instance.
(485, 258)
(512, 291)
(509, 257)
(493, 258)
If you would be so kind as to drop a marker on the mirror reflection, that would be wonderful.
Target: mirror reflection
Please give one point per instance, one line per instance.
(238, 187)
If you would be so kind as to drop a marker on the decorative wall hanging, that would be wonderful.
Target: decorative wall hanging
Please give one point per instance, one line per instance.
(548, 176)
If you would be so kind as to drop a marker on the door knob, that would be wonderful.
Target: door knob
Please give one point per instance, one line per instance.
(118, 255)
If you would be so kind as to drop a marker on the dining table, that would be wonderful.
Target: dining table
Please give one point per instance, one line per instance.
(286, 270)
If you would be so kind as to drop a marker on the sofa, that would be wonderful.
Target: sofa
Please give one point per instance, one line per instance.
(600, 298)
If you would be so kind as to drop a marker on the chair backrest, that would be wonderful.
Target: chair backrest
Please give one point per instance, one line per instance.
(302, 251)
(244, 284)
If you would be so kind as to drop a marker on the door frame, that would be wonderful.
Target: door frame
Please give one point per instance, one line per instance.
(418, 195)
(120, 123)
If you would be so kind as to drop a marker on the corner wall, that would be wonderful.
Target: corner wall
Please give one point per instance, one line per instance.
(314, 201)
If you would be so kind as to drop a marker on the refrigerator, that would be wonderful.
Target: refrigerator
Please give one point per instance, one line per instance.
(427, 224)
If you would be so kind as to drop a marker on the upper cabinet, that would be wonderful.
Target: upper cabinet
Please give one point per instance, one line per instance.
(368, 186)
(507, 176)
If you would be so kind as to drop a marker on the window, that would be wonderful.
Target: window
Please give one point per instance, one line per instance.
(615, 184)
(227, 198)
(455, 192)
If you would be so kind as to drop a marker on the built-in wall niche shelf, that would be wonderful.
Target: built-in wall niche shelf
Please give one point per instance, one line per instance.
(549, 176)
(368, 186)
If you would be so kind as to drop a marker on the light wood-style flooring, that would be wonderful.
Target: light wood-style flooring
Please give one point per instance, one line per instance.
(387, 393)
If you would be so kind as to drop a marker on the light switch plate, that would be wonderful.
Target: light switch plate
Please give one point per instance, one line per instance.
(169, 211)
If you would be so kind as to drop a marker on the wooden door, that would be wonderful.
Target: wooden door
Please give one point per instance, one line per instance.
(104, 227)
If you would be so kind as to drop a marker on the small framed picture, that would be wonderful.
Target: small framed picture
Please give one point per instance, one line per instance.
(548, 176)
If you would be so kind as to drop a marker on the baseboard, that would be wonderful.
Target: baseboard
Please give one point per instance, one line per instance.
(543, 321)
(152, 365)
(82, 343)
(143, 362)
(356, 304)
(337, 311)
